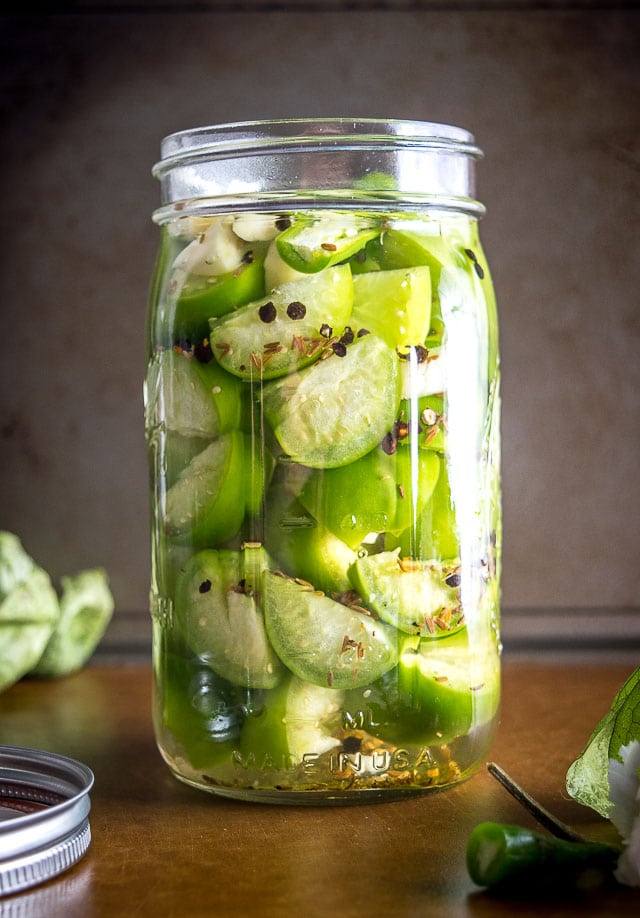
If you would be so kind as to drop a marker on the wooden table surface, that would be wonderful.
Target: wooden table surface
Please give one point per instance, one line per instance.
(161, 848)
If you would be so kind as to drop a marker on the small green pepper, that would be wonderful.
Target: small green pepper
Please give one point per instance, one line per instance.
(515, 859)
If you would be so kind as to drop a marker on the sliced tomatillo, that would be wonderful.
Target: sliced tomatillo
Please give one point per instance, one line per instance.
(439, 694)
(206, 504)
(416, 478)
(288, 329)
(191, 398)
(216, 272)
(297, 718)
(395, 305)
(311, 244)
(434, 531)
(217, 605)
(301, 545)
(402, 248)
(337, 410)
(418, 597)
(438, 691)
(356, 499)
(381, 492)
(204, 296)
(324, 641)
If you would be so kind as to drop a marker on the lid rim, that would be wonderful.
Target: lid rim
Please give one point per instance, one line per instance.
(320, 130)
(43, 841)
(28, 870)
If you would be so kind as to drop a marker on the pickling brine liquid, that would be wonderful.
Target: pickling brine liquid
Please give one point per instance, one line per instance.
(322, 417)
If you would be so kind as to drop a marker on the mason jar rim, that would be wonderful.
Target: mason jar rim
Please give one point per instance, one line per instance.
(251, 137)
(322, 162)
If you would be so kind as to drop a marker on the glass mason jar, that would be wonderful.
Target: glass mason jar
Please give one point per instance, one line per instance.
(322, 417)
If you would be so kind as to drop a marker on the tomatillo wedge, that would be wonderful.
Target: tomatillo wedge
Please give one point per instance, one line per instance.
(312, 244)
(417, 597)
(206, 504)
(434, 534)
(354, 500)
(323, 641)
(324, 432)
(403, 248)
(217, 605)
(297, 719)
(288, 329)
(301, 546)
(395, 305)
(438, 694)
(202, 297)
(438, 691)
(191, 398)
(416, 478)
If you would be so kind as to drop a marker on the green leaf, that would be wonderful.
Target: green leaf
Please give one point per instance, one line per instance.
(587, 779)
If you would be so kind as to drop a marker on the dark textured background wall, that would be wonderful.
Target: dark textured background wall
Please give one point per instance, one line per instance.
(552, 97)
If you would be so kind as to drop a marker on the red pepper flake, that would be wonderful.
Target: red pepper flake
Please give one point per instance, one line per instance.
(401, 429)
(296, 310)
(267, 312)
(184, 347)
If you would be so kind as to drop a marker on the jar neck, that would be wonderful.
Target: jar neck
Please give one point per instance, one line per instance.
(330, 163)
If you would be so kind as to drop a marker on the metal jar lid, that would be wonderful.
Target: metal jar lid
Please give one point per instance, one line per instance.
(44, 816)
